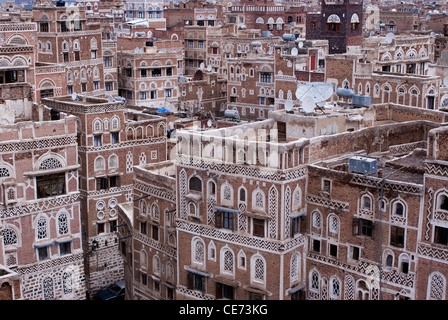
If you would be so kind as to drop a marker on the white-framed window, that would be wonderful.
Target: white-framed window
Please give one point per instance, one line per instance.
(198, 251)
(227, 259)
(258, 269)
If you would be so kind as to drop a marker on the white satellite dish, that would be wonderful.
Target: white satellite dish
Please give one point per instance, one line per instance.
(74, 96)
(294, 51)
(300, 44)
(308, 104)
(136, 50)
(445, 81)
(209, 123)
(319, 91)
(288, 105)
(202, 65)
(389, 37)
(110, 99)
(209, 68)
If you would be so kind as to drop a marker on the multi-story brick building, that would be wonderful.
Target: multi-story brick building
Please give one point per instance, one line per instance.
(339, 22)
(42, 254)
(299, 222)
(69, 50)
(18, 59)
(41, 246)
(151, 244)
(111, 140)
(398, 71)
(268, 15)
(149, 78)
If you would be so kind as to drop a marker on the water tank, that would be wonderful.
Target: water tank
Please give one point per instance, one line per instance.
(342, 92)
(363, 165)
(289, 37)
(363, 101)
(266, 34)
(231, 114)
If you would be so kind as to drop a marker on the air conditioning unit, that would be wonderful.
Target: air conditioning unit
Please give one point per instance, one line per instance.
(363, 165)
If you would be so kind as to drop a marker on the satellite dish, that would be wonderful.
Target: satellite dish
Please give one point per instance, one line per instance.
(389, 37)
(136, 50)
(308, 104)
(110, 99)
(294, 51)
(202, 65)
(209, 123)
(209, 68)
(319, 91)
(300, 44)
(445, 81)
(288, 105)
(74, 96)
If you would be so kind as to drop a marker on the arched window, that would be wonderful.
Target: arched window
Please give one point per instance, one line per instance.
(403, 262)
(198, 251)
(242, 195)
(67, 282)
(314, 281)
(333, 224)
(295, 267)
(442, 201)
(9, 236)
(335, 288)
(258, 199)
(113, 161)
(258, 269)
(389, 260)
(297, 199)
(212, 251)
(195, 184)
(333, 23)
(156, 265)
(212, 188)
(50, 163)
(143, 260)
(399, 209)
(100, 164)
(227, 261)
(317, 219)
(436, 286)
(63, 224)
(366, 202)
(115, 123)
(41, 228)
(48, 290)
(97, 125)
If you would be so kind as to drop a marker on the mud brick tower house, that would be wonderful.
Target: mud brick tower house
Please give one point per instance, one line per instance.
(339, 22)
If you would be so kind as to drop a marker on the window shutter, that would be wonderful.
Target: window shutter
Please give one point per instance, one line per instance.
(393, 236)
(356, 226)
(218, 290)
(203, 284)
(218, 219)
(190, 278)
